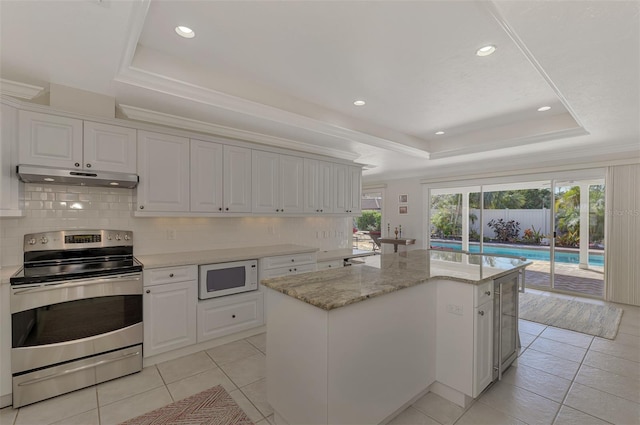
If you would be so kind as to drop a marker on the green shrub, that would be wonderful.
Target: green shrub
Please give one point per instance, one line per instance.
(369, 220)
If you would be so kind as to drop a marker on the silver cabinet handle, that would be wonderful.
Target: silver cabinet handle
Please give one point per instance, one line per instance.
(88, 165)
(148, 291)
(170, 274)
(481, 312)
(488, 293)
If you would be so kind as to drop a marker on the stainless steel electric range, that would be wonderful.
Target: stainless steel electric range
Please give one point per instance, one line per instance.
(76, 312)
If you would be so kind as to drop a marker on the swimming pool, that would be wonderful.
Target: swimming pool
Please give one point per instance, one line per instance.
(570, 257)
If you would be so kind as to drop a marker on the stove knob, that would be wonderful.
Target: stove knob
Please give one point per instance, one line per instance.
(118, 237)
(44, 240)
(32, 241)
(126, 237)
(109, 237)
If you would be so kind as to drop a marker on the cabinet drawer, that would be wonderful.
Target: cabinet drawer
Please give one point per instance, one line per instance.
(291, 270)
(229, 314)
(483, 293)
(170, 274)
(334, 264)
(288, 260)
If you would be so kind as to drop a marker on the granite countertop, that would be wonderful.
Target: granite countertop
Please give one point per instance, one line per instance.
(334, 288)
(220, 255)
(341, 254)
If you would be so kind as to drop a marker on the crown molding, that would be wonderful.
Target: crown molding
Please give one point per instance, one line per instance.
(140, 114)
(20, 90)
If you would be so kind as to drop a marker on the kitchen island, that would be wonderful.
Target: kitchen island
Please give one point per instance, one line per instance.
(358, 344)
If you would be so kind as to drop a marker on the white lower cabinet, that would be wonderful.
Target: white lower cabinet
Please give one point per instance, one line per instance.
(169, 309)
(464, 341)
(283, 265)
(226, 315)
(332, 264)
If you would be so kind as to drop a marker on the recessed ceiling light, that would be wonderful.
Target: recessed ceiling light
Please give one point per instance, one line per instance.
(49, 179)
(544, 108)
(185, 32)
(359, 102)
(486, 50)
(440, 133)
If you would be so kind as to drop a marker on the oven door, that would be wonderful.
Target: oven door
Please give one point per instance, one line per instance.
(57, 322)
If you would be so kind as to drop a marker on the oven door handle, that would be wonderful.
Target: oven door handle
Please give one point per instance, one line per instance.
(76, 283)
(78, 369)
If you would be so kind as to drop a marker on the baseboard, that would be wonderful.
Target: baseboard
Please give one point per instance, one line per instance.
(450, 394)
(6, 400)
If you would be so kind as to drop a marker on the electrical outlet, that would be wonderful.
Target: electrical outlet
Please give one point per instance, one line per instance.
(454, 309)
(171, 234)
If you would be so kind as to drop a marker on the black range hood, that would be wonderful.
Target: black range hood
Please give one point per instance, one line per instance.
(52, 175)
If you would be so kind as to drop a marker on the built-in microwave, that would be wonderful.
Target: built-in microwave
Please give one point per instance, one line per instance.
(217, 280)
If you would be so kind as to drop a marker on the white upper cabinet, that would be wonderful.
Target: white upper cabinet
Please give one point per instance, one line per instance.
(10, 187)
(206, 176)
(278, 183)
(109, 148)
(348, 183)
(318, 186)
(237, 179)
(57, 141)
(163, 166)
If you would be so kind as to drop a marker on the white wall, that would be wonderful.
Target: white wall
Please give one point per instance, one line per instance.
(55, 207)
(412, 222)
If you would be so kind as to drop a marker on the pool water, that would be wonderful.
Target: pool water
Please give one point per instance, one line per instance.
(568, 257)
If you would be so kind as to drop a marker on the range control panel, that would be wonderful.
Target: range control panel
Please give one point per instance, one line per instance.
(76, 239)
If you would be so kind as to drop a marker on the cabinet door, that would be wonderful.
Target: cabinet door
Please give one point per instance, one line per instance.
(265, 182)
(169, 317)
(10, 187)
(237, 179)
(163, 165)
(226, 315)
(326, 187)
(291, 184)
(342, 189)
(109, 148)
(206, 176)
(482, 347)
(50, 140)
(355, 190)
(311, 185)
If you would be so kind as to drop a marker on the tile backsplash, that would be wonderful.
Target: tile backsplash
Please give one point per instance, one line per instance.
(58, 207)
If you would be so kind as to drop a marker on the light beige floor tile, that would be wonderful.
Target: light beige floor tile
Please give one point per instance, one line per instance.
(559, 349)
(8, 415)
(232, 352)
(629, 328)
(57, 408)
(526, 339)
(197, 383)
(412, 416)
(482, 414)
(603, 405)
(136, 405)
(568, 337)
(532, 328)
(537, 381)
(246, 371)
(262, 422)
(569, 416)
(520, 404)
(547, 363)
(612, 364)
(86, 418)
(247, 407)
(438, 408)
(621, 338)
(271, 420)
(608, 382)
(259, 341)
(617, 349)
(257, 394)
(183, 367)
(117, 389)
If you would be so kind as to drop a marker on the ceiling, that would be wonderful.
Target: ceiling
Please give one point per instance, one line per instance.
(287, 73)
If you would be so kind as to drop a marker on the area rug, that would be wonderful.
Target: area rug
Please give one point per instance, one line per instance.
(211, 407)
(598, 320)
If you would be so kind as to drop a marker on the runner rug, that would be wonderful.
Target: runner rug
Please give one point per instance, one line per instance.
(211, 407)
(598, 320)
